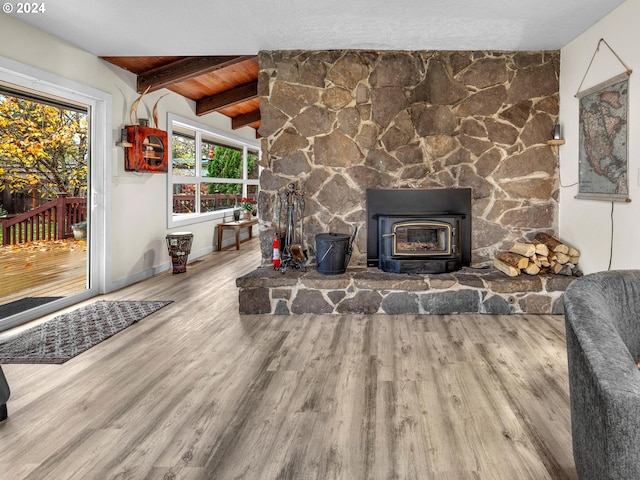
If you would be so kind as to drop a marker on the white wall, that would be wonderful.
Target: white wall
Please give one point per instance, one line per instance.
(586, 224)
(138, 205)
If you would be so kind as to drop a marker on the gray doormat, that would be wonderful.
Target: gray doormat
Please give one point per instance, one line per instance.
(67, 335)
(23, 305)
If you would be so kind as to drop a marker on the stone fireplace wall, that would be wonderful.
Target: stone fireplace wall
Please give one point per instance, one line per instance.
(336, 123)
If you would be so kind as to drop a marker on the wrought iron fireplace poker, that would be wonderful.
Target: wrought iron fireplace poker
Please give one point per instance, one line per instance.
(294, 255)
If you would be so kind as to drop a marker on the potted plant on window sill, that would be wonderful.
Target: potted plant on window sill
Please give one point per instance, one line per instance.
(250, 206)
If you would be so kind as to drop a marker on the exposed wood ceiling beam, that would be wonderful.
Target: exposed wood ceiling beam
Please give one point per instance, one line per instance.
(184, 69)
(226, 99)
(245, 119)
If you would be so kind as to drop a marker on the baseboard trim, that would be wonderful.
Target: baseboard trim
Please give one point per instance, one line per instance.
(150, 272)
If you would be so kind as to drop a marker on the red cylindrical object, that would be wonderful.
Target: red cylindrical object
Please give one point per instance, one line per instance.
(276, 253)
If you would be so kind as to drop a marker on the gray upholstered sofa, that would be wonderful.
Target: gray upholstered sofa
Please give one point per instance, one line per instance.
(603, 345)
(4, 395)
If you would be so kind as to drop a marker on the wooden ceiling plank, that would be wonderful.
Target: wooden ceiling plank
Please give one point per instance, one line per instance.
(185, 69)
(226, 99)
(245, 119)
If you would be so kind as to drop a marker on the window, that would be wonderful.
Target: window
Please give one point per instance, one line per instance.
(210, 171)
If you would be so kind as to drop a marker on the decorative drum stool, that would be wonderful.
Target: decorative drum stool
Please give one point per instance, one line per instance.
(179, 245)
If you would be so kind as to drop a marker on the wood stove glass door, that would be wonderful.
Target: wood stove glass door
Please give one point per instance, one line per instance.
(422, 238)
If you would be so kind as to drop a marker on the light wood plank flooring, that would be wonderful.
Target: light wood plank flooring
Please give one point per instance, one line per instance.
(195, 391)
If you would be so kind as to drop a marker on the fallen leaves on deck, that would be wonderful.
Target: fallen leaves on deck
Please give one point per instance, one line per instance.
(26, 252)
(44, 246)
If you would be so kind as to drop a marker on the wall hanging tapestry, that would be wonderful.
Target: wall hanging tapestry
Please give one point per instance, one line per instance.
(603, 153)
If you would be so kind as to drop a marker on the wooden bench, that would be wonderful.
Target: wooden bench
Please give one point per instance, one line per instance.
(236, 226)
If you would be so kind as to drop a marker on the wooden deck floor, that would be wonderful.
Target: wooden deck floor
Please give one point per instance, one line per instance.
(197, 392)
(42, 269)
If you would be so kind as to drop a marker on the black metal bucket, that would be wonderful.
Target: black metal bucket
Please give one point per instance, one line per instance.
(333, 251)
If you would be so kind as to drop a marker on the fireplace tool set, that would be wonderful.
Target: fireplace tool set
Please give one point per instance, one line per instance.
(291, 208)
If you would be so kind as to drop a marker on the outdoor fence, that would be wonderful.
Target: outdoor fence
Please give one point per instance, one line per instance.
(51, 221)
(208, 202)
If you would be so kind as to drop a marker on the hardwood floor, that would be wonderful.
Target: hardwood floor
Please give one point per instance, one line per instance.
(195, 391)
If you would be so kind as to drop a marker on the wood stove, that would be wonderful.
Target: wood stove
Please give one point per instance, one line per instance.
(419, 230)
(429, 244)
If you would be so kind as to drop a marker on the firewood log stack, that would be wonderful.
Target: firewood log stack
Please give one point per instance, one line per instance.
(544, 254)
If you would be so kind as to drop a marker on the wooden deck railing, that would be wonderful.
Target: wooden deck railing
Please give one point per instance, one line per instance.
(208, 202)
(51, 221)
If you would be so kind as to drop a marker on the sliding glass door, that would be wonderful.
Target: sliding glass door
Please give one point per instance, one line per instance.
(51, 239)
(44, 180)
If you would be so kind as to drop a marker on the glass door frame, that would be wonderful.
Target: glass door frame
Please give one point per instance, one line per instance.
(98, 104)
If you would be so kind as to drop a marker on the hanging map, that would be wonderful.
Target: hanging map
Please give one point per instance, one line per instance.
(603, 160)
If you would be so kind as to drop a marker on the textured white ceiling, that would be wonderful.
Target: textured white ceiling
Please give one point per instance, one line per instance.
(228, 27)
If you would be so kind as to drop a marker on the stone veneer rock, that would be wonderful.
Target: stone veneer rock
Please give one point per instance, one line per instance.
(371, 291)
(339, 122)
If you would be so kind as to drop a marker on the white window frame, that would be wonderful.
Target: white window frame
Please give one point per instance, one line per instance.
(226, 138)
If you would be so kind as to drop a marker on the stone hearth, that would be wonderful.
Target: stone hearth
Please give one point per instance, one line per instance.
(364, 290)
(337, 123)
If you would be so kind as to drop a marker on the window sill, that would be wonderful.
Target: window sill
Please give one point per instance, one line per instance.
(190, 219)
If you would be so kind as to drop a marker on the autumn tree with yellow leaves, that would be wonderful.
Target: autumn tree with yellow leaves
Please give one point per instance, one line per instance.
(43, 148)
